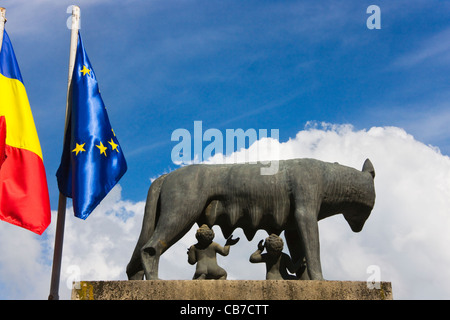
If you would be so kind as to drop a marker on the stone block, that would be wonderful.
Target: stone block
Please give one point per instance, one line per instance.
(229, 290)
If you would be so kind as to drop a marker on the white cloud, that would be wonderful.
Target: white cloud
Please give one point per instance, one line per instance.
(97, 248)
(100, 246)
(23, 271)
(406, 236)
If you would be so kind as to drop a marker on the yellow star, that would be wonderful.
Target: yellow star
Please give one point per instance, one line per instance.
(113, 145)
(102, 148)
(79, 148)
(85, 70)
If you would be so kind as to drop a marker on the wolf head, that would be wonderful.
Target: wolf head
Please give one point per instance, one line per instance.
(362, 200)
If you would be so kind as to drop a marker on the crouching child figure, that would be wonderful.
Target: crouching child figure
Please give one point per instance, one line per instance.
(277, 262)
(204, 254)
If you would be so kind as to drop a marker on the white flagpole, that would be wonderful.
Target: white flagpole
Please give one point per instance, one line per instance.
(2, 24)
(59, 236)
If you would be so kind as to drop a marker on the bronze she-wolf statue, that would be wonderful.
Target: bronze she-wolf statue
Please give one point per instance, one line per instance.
(294, 199)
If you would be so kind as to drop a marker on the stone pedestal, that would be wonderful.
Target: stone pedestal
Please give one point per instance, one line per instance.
(229, 290)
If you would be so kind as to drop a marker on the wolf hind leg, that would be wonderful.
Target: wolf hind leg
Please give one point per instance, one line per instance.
(296, 251)
(163, 238)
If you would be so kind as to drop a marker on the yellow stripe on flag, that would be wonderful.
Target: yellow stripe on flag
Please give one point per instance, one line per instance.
(14, 105)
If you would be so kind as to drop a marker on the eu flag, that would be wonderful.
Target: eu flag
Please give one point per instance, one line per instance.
(92, 161)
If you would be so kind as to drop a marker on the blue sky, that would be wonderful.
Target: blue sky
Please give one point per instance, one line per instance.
(161, 65)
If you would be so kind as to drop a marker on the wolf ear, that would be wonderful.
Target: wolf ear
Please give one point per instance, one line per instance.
(368, 167)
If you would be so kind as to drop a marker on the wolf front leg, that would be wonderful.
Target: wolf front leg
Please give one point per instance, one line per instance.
(309, 233)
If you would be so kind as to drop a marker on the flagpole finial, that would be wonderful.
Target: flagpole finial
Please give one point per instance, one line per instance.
(2, 15)
(2, 24)
(75, 10)
(76, 14)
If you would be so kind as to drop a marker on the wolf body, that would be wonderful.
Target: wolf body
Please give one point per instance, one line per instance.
(301, 193)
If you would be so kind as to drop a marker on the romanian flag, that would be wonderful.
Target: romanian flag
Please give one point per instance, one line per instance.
(92, 161)
(2, 140)
(24, 199)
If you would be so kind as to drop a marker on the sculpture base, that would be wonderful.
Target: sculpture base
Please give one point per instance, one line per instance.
(229, 290)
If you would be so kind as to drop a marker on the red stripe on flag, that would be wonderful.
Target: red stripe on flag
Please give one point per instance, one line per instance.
(2, 139)
(24, 197)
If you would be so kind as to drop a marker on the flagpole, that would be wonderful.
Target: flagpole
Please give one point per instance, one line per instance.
(2, 24)
(59, 236)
